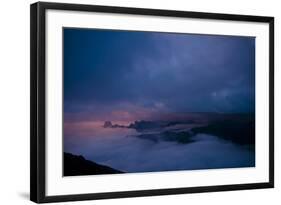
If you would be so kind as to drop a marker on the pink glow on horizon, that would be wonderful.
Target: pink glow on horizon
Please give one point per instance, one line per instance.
(93, 129)
(126, 112)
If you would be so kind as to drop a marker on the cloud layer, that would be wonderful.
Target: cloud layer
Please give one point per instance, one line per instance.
(144, 72)
(118, 148)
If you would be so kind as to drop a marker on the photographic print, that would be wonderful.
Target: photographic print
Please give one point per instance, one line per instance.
(132, 102)
(139, 101)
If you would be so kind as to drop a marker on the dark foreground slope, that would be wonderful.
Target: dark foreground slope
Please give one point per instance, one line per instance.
(78, 165)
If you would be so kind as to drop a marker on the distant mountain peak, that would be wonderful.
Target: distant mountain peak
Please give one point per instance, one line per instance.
(107, 124)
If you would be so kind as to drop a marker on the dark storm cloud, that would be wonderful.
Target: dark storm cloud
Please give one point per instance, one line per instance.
(117, 70)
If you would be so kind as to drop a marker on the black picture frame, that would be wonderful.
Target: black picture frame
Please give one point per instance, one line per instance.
(38, 101)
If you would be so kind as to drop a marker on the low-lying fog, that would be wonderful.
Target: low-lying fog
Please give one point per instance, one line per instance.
(121, 149)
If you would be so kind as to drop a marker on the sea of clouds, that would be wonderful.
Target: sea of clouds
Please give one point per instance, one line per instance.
(122, 150)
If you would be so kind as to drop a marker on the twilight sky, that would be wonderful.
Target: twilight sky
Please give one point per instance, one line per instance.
(125, 75)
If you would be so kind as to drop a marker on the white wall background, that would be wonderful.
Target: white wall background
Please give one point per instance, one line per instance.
(14, 101)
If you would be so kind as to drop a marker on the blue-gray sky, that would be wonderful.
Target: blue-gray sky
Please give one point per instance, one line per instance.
(129, 75)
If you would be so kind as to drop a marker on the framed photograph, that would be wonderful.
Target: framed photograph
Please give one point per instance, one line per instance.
(129, 102)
